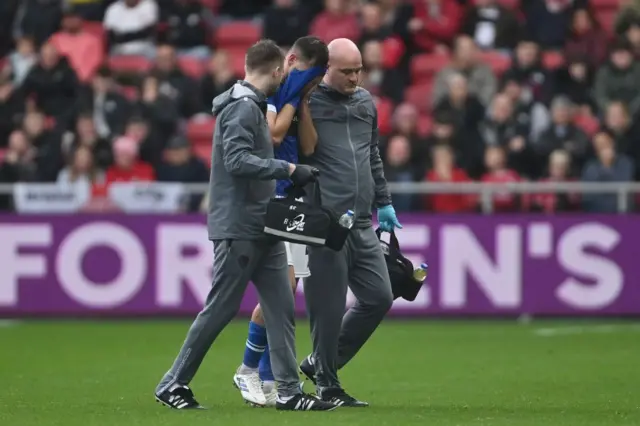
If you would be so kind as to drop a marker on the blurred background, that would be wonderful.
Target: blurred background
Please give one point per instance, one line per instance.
(509, 131)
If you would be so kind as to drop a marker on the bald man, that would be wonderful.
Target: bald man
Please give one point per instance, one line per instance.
(351, 178)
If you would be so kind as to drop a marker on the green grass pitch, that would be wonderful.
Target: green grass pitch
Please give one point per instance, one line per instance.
(445, 373)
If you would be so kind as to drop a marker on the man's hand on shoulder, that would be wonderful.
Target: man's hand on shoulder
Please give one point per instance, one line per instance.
(302, 174)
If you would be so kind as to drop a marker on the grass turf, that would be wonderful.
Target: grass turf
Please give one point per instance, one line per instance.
(413, 373)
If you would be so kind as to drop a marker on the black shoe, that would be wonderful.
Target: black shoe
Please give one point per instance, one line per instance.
(308, 369)
(181, 398)
(340, 398)
(305, 402)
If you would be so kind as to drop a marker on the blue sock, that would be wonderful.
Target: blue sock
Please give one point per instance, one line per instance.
(256, 344)
(266, 374)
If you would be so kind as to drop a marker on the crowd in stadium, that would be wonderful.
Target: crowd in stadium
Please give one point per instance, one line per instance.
(467, 90)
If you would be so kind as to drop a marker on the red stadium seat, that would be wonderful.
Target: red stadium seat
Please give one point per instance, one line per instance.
(385, 111)
(425, 66)
(130, 92)
(419, 96)
(498, 62)
(192, 67)
(424, 124)
(200, 130)
(236, 58)
(392, 51)
(588, 123)
(237, 34)
(129, 64)
(552, 60)
(607, 18)
(203, 152)
(212, 5)
(604, 4)
(3, 153)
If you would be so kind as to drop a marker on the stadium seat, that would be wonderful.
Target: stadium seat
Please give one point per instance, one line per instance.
(130, 92)
(130, 64)
(200, 130)
(203, 152)
(588, 123)
(420, 96)
(498, 62)
(385, 111)
(424, 124)
(192, 67)
(552, 60)
(604, 4)
(237, 34)
(425, 66)
(212, 5)
(3, 153)
(392, 51)
(606, 18)
(236, 58)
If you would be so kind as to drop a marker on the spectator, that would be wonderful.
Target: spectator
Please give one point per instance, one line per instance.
(83, 50)
(86, 136)
(618, 79)
(38, 19)
(497, 172)
(110, 108)
(398, 168)
(284, 23)
(528, 113)
(81, 171)
(19, 163)
(492, 25)
(633, 37)
(89, 10)
(480, 79)
(609, 166)
(625, 133)
(23, 59)
(372, 24)
(161, 114)
(405, 123)
(218, 79)
(180, 165)
(548, 21)
(575, 81)
(175, 84)
(628, 12)
(242, 9)
(501, 128)
(527, 70)
(444, 171)
(8, 10)
(465, 107)
(387, 83)
(563, 134)
(443, 131)
(130, 26)
(586, 38)
(48, 145)
(434, 24)
(127, 167)
(187, 30)
(12, 107)
(559, 170)
(336, 21)
(54, 85)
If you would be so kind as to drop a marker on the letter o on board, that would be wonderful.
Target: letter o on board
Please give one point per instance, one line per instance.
(123, 287)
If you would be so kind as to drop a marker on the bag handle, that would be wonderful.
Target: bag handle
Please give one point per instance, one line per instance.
(294, 191)
(393, 240)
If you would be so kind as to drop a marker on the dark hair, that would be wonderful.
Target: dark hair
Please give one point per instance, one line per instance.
(263, 56)
(312, 50)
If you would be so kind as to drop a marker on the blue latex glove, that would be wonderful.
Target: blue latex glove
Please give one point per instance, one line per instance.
(387, 218)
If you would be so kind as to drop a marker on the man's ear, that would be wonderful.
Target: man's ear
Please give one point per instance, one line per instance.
(291, 58)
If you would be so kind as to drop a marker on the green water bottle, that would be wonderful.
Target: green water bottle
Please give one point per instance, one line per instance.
(420, 273)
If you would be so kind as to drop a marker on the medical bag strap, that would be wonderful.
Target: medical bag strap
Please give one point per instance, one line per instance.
(393, 240)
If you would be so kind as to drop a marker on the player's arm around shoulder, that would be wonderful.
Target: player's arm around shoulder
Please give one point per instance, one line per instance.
(241, 129)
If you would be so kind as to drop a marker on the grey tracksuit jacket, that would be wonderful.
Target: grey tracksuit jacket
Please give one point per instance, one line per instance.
(243, 171)
(347, 155)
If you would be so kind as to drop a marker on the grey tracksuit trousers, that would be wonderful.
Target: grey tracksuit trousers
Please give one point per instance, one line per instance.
(337, 336)
(237, 262)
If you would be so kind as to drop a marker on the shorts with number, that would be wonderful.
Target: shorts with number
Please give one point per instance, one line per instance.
(298, 258)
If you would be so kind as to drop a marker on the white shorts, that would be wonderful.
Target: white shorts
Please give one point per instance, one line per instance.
(298, 258)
